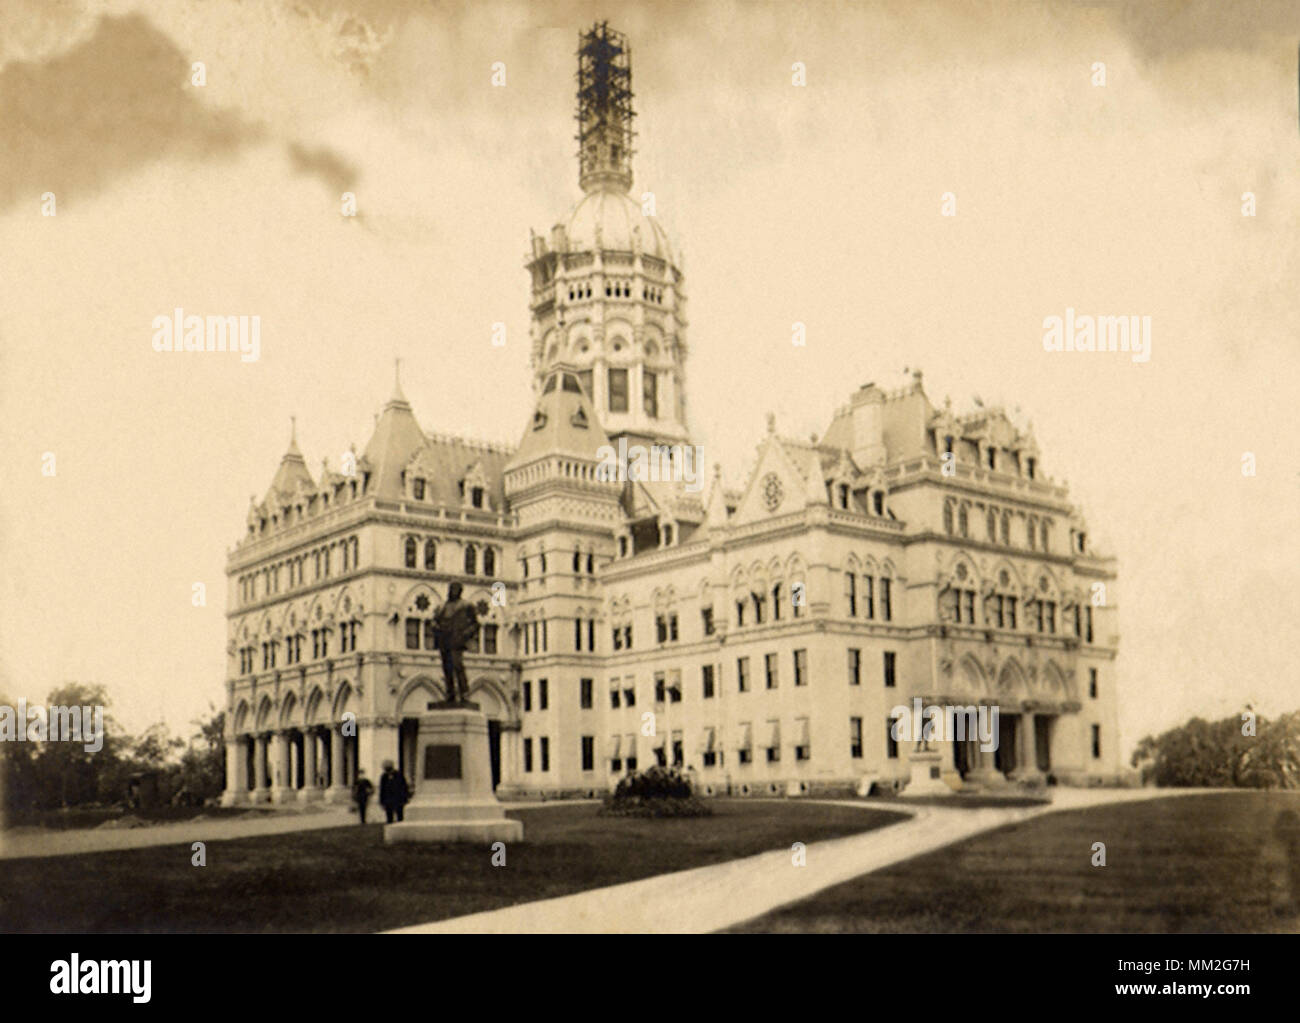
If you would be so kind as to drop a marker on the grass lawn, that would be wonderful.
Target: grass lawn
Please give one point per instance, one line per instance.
(346, 879)
(1187, 864)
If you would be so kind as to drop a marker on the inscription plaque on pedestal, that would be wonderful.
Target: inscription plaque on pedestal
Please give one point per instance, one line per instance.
(441, 763)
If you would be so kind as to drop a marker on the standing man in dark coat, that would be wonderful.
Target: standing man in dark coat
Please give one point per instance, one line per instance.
(361, 791)
(456, 626)
(393, 792)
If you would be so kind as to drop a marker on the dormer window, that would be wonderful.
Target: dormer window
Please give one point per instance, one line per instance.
(947, 444)
(844, 495)
(993, 458)
(417, 489)
(1030, 464)
(878, 502)
(476, 497)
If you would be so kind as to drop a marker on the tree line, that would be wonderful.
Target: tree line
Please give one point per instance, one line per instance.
(1246, 751)
(40, 775)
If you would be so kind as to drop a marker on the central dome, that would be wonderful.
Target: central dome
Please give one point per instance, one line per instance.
(618, 221)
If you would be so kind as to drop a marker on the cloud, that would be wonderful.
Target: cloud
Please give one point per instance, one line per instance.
(322, 162)
(79, 121)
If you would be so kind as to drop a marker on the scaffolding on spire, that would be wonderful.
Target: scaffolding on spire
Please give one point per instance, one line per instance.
(604, 109)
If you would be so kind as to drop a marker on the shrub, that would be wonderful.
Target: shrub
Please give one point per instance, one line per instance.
(655, 792)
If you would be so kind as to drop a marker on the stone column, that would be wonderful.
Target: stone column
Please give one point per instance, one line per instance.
(236, 773)
(310, 789)
(282, 790)
(983, 773)
(338, 790)
(379, 742)
(262, 793)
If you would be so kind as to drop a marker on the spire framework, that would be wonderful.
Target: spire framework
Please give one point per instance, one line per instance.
(604, 109)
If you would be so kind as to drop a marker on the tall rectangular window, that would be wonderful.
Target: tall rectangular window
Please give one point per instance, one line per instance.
(588, 752)
(706, 616)
(577, 634)
(489, 639)
(586, 693)
(541, 696)
(886, 600)
(412, 637)
(528, 696)
(891, 744)
(1096, 742)
(855, 666)
(801, 667)
(1092, 683)
(659, 687)
(591, 634)
(545, 744)
(869, 595)
(889, 669)
(708, 681)
(851, 591)
(855, 738)
(770, 670)
(528, 754)
(742, 674)
(617, 390)
(1088, 625)
(650, 393)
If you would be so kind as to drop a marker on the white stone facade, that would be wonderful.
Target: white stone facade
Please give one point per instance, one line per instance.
(904, 534)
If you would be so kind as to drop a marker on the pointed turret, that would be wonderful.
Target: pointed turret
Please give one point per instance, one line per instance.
(292, 473)
(396, 438)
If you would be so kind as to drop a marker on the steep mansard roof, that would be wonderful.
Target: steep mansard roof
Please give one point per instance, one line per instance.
(562, 423)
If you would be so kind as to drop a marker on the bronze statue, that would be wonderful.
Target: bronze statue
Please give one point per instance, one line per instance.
(456, 626)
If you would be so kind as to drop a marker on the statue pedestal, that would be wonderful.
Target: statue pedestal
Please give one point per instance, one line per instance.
(928, 775)
(454, 801)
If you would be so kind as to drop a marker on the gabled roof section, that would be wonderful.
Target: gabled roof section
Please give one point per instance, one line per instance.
(562, 423)
(787, 477)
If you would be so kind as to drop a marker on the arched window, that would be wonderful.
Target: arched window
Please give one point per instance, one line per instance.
(410, 552)
(1006, 528)
(430, 555)
(471, 559)
(992, 524)
(590, 565)
(1029, 532)
(947, 517)
(577, 560)
(489, 561)
(963, 521)
(1042, 533)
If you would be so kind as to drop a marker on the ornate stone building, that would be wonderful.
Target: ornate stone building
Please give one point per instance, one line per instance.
(759, 637)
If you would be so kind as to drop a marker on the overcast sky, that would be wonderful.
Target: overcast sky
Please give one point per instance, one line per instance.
(818, 204)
